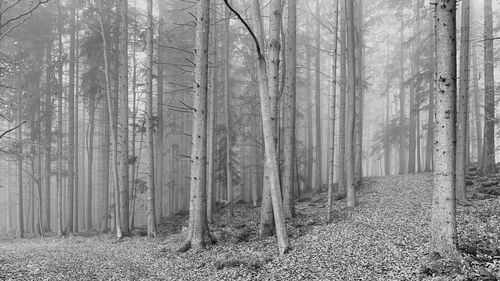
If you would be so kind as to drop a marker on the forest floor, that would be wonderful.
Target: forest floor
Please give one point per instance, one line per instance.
(384, 238)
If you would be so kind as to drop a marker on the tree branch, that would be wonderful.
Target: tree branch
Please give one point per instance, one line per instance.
(11, 129)
(257, 46)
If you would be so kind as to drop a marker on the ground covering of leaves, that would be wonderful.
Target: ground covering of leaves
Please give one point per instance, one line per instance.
(384, 238)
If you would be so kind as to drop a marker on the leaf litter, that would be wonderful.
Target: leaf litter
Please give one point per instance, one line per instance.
(385, 237)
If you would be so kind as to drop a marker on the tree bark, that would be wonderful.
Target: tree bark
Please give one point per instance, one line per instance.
(443, 241)
(331, 167)
(342, 102)
(463, 101)
(71, 125)
(124, 172)
(149, 126)
(227, 105)
(198, 232)
(350, 116)
(290, 100)
(318, 160)
(488, 158)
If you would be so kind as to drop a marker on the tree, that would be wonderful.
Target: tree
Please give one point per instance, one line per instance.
(488, 157)
(350, 115)
(227, 105)
(71, 125)
(290, 99)
(342, 101)
(198, 233)
(123, 73)
(59, 122)
(20, 216)
(463, 101)
(334, 96)
(149, 125)
(443, 241)
(318, 160)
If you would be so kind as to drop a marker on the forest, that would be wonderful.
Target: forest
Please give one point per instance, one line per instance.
(249, 140)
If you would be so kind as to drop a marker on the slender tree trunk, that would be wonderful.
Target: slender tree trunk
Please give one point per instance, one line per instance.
(443, 240)
(290, 99)
(488, 157)
(59, 122)
(149, 125)
(159, 109)
(71, 126)
(387, 146)
(123, 59)
(463, 99)
(48, 134)
(90, 162)
(477, 108)
(350, 118)
(333, 107)
(227, 105)
(402, 132)
(358, 163)
(342, 102)
(212, 119)
(429, 154)
(20, 215)
(310, 145)
(318, 160)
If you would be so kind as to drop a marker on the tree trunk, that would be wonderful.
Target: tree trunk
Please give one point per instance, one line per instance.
(430, 119)
(318, 160)
(90, 162)
(112, 120)
(463, 100)
(310, 158)
(488, 157)
(198, 232)
(49, 71)
(59, 122)
(227, 105)
(342, 102)
(149, 125)
(333, 106)
(477, 108)
(123, 59)
(290, 99)
(402, 132)
(20, 216)
(350, 116)
(443, 241)
(71, 126)
(212, 119)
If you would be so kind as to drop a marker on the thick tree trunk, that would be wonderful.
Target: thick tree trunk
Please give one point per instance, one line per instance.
(488, 157)
(90, 162)
(112, 120)
(463, 101)
(198, 232)
(443, 240)
(290, 100)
